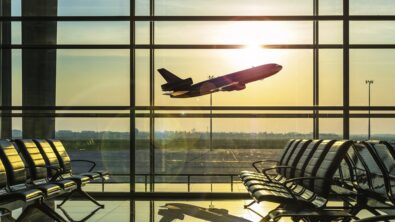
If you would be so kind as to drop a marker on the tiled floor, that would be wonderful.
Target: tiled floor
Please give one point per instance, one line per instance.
(163, 211)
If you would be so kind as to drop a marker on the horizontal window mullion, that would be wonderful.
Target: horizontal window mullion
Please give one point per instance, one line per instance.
(201, 18)
(187, 46)
(224, 108)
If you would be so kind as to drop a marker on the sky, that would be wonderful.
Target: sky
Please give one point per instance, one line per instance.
(103, 75)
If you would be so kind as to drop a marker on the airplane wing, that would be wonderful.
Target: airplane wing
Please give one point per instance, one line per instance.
(230, 87)
(176, 93)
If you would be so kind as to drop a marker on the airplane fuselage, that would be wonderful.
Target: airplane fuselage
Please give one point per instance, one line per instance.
(229, 82)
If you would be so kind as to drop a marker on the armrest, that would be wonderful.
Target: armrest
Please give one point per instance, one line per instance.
(264, 171)
(262, 161)
(87, 161)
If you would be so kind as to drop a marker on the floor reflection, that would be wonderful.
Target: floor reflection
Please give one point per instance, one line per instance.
(172, 211)
(161, 211)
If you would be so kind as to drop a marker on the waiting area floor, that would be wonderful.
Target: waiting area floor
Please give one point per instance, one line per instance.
(161, 211)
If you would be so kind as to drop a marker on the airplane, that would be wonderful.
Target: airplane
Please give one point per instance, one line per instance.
(184, 88)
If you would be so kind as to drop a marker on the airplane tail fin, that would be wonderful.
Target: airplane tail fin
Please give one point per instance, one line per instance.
(168, 76)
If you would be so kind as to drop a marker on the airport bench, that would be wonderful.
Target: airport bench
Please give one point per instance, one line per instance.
(56, 157)
(372, 172)
(19, 190)
(306, 197)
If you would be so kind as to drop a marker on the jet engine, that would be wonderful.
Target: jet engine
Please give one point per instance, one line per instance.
(239, 86)
(184, 84)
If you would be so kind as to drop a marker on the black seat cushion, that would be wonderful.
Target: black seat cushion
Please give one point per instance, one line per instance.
(66, 184)
(49, 189)
(25, 195)
(80, 180)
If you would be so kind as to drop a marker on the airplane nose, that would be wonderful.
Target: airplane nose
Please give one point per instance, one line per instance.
(279, 67)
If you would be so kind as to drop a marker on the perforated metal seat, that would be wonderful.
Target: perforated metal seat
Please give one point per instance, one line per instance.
(312, 189)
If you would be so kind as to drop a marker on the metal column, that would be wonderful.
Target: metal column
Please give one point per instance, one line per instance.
(5, 72)
(39, 67)
(346, 70)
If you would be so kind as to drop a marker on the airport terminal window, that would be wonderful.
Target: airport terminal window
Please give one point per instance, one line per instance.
(102, 92)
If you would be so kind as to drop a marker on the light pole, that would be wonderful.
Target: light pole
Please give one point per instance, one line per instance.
(211, 118)
(369, 83)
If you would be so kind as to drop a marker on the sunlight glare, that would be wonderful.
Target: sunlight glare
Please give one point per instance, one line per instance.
(254, 36)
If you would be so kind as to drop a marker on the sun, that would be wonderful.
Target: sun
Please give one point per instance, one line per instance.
(252, 54)
(254, 36)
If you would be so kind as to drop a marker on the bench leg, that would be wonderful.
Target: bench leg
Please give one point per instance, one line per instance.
(82, 193)
(86, 195)
(250, 204)
(83, 219)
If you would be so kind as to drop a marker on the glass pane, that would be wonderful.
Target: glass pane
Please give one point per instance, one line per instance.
(92, 77)
(331, 7)
(142, 7)
(368, 7)
(16, 128)
(330, 32)
(16, 32)
(291, 86)
(142, 156)
(248, 33)
(142, 33)
(376, 65)
(16, 77)
(142, 77)
(79, 33)
(93, 33)
(16, 8)
(381, 129)
(331, 128)
(372, 32)
(80, 8)
(180, 146)
(93, 7)
(359, 128)
(104, 141)
(331, 77)
(233, 7)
